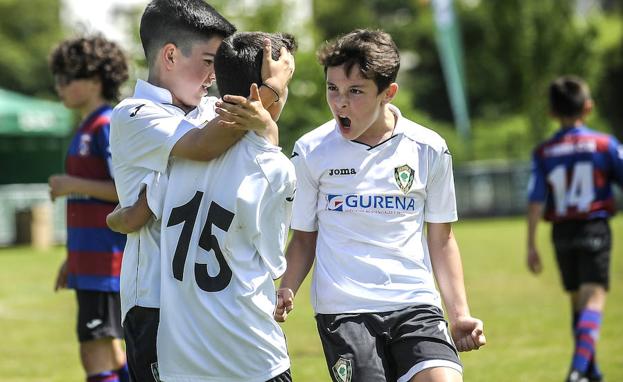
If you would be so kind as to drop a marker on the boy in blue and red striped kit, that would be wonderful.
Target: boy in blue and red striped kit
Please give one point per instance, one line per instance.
(572, 176)
(88, 73)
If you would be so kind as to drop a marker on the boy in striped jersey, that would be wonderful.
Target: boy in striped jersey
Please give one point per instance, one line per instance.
(88, 73)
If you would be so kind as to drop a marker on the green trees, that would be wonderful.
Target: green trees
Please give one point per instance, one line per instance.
(512, 50)
(28, 30)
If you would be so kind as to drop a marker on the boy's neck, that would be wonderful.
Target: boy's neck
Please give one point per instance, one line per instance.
(155, 80)
(570, 123)
(382, 130)
(89, 107)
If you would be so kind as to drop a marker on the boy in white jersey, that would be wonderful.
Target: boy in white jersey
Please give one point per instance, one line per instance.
(224, 228)
(367, 182)
(180, 39)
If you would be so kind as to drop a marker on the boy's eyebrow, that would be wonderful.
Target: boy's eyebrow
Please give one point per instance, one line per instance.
(361, 85)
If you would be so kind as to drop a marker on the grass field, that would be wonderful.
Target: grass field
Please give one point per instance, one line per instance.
(526, 318)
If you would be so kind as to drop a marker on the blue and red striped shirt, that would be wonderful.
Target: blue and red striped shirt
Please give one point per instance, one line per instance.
(573, 172)
(95, 252)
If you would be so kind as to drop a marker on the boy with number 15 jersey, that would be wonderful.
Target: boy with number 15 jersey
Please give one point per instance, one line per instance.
(224, 228)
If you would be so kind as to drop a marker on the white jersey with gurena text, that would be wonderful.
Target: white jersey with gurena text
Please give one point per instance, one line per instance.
(224, 228)
(144, 129)
(369, 205)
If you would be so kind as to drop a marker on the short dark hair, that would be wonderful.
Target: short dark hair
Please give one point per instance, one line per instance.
(90, 57)
(180, 22)
(567, 96)
(374, 51)
(238, 61)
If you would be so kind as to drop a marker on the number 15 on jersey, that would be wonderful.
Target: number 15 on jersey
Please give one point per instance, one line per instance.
(218, 217)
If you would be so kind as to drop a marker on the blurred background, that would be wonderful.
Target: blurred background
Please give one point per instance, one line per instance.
(475, 71)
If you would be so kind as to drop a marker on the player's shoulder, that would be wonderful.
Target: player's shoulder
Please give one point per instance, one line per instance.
(132, 109)
(322, 136)
(277, 169)
(422, 135)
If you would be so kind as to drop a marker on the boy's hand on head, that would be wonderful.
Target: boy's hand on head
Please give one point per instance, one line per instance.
(285, 304)
(277, 74)
(247, 114)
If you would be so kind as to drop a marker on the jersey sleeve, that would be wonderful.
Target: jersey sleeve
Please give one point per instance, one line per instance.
(440, 204)
(147, 135)
(616, 154)
(275, 210)
(156, 184)
(304, 209)
(102, 146)
(537, 187)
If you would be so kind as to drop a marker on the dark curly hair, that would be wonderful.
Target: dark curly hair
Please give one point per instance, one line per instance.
(373, 50)
(90, 57)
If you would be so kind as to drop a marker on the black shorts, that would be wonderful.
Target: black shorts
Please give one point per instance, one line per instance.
(283, 377)
(141, 328)
(387, 346)
(99, 315)
(583, 252)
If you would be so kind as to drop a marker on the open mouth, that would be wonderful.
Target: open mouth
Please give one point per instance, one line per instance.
(344, 121)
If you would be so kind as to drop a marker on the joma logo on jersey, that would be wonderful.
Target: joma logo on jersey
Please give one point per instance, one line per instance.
(342, 171)
(388, 204)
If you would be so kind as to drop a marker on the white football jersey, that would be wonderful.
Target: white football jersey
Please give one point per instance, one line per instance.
(144, 129)
(369, 205)
(224, 229)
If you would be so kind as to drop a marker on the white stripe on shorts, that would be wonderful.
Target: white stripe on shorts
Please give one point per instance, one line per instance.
(428, 365)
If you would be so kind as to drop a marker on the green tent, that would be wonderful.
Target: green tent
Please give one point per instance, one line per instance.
(24, 116)
(33, 138)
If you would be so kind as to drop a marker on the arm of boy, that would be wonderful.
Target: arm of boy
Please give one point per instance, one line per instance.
(242, 114)
(63, 184)
(148, 205)
(533, 259)
(61, 277)
(300, 257)
(239, 114)
(467, 331)
(130, 219)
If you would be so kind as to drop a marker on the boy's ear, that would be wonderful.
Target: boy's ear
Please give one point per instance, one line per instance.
(588, 107)
(390, 92)
(168, 55)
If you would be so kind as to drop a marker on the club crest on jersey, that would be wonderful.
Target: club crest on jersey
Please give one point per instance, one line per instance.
(343, 370)
(404, 177)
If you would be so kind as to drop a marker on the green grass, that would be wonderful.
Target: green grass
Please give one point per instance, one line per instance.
(526, 317)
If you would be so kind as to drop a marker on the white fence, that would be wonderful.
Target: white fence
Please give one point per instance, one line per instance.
(483, 190)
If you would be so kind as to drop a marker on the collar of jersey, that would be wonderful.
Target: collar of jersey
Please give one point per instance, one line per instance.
(260, 141)
(105, 109)
(570, 130)
(398, 128)
(145, 90)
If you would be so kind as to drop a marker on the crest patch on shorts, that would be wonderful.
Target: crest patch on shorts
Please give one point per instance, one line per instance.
(343, 370)
(154, 371)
